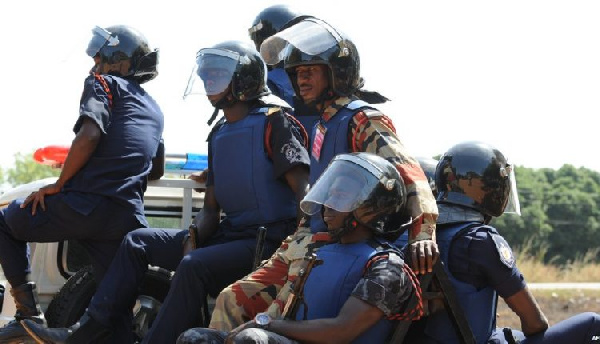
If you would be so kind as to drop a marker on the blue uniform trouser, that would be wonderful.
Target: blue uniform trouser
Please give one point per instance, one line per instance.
(206, 270)
(583, 328)
(100, 232)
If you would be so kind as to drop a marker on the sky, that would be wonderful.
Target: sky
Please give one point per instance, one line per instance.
(521, 75)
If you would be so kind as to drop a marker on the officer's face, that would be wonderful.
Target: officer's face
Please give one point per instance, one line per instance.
(312, 81)
(334, 219)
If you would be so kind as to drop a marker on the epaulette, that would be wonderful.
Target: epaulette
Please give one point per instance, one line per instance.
(273, 110)
(372, 113)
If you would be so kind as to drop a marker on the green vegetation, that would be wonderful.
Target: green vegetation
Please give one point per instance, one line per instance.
(559, 219)
(26, 170)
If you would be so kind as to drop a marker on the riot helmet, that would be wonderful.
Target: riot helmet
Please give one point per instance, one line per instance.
(123, 51)
(313, 41)
(428, 165)
(271, 20)
(366, 186)
(232, 62)
(478, 176)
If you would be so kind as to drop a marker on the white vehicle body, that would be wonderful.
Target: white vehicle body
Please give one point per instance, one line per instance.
(169, 202)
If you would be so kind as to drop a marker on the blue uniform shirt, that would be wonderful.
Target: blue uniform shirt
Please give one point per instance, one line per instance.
(132, 126)
(482, 259)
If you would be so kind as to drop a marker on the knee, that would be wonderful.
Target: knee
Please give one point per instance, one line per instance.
(14, 217)
(134, 240)
(252, 335)
(201, 335)
(591, 317)
(191, 264)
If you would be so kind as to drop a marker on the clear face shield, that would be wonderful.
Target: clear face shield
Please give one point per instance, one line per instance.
(100, 38)
(310, 36)
(344, 186)
(213, 72)
(512, 206)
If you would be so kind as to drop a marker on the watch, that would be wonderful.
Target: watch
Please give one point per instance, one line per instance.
(262, 320)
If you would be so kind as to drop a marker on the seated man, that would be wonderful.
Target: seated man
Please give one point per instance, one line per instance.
(475, 184)
(360, 282)
(258, 171)
(98, 197)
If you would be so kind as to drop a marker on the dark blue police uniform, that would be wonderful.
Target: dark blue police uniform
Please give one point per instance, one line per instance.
(251, 190)
(104, 199)
(481, 267)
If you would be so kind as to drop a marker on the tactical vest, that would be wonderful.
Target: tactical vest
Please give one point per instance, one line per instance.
(335, 142)
(479, 306)
(243, 174)
(330, 284)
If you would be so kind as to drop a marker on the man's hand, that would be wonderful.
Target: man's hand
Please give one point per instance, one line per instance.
(231, 336)
(191, 240)
(423, 254)
(199, 177)
(38, 197)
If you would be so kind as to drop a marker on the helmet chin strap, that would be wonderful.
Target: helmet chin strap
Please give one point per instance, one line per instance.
(350, 225)
(224, 102)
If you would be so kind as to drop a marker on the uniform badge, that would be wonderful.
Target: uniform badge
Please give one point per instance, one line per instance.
(506, 254)
(318, 141)
(292, 154)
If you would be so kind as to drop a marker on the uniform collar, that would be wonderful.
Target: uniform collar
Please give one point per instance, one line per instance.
(332, 109)
(449, 213)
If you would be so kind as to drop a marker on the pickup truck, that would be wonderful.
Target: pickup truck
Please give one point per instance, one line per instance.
(62, 270)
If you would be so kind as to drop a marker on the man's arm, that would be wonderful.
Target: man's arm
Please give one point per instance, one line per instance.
(285, 147)
(355, 317)
(375, 133)
(532, 318)
(207, 219)
(82, 148)
(297, 179)
(158, 162)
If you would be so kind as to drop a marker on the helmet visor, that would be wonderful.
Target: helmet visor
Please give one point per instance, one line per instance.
(310, 36)
(512, 206)
(344, 186)
(213, 71)
(100, 38)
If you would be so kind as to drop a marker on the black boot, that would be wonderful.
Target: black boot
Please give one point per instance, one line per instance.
(28, 307)
(87, 330)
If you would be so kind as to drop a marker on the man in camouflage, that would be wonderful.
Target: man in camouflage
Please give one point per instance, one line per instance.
(336, 96)
(360, 283)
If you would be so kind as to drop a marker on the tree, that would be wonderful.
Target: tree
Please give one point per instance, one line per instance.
(26, 170)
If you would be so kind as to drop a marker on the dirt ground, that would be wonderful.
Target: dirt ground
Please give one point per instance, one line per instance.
(558, 305)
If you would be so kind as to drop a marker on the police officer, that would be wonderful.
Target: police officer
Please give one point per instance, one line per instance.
(258, 172)
(361, 282)
(327, 79)
(475, 183)
(268, 22)
(98, 196)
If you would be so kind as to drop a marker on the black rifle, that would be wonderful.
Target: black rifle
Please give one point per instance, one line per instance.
(260, 246)
(296, 297)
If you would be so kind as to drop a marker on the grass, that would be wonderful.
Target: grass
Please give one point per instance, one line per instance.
(584, 269)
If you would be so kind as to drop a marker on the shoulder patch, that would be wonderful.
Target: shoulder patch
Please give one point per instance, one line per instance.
(506, 255)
